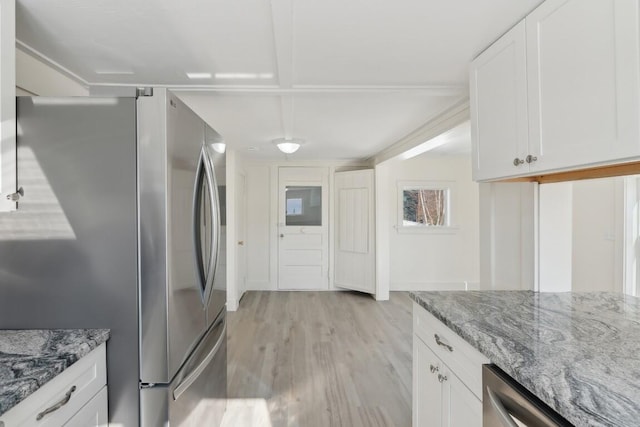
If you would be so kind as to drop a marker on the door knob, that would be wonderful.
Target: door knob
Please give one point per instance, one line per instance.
(241, 243)
(281, 236)
(517, 161)
(531, 159)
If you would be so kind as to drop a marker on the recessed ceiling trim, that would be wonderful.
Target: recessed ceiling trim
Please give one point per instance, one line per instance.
(452, 90)
(435, 89)
(449, 118)
(282, 26)
(115, 72)
(53, 64)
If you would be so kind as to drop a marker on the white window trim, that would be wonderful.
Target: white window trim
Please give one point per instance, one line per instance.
(452, 207)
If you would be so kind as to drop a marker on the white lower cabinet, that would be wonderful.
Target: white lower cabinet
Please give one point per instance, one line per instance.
(447, 376)
(76, 398)
(464, 408)
(93, 414)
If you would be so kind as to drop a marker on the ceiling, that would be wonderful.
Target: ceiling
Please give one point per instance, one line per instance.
(351, 77)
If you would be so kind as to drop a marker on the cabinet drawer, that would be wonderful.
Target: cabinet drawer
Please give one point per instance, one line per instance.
(88, 375)
(454, 351)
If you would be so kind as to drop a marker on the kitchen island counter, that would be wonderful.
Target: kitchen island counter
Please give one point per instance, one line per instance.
(31, 358)
(578, 352)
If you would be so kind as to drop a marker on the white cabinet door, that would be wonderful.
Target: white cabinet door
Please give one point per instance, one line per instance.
(93, 414)
(440, 398)
(582, 71)
(464, 409)
(427, 390)
(7, 105)
(499, 107)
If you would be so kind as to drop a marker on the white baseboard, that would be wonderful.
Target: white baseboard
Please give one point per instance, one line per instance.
(232, 305)
(259, 286)
(434, 286)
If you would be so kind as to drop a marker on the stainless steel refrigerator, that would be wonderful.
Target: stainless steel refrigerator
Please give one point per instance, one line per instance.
(122, 226)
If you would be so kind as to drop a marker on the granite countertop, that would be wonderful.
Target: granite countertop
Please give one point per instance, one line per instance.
(578, 352)
(30, 358)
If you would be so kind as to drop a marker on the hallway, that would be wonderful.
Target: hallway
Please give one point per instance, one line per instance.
(319, 359)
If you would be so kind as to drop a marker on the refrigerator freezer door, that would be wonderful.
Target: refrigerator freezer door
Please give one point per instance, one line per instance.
(173, 312)
(198, 395)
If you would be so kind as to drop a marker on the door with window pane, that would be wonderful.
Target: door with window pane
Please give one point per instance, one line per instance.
(303, 245)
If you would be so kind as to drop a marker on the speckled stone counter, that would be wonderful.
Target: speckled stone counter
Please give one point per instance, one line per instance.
(30, 358)
(578, 352)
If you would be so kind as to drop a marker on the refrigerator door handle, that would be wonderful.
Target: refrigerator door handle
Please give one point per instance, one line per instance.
(215, 222)
(196, 224)
(197, 371)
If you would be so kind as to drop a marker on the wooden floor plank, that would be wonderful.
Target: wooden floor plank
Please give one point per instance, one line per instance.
(307, 359)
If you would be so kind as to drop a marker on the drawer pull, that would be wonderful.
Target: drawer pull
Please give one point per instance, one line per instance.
(58, 405)
(442, 378)
(442, 344)
(433, 369)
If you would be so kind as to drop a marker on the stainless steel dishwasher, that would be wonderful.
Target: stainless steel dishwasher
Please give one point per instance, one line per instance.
(505, 403)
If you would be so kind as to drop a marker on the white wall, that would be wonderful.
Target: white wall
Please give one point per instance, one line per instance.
(556, 243)
(582, 235)
(425, 261)
(507, 235)
(34, 77)
(597, 235)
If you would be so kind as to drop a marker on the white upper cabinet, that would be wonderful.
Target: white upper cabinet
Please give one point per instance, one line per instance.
(583, 82)
(582, 77)
(7, 105)
(499, 107)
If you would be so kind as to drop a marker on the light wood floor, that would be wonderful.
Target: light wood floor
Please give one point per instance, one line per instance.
(319, 359)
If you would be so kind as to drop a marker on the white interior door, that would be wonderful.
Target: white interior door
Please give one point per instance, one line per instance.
(241, 254)
(303, 232)
(354, 231)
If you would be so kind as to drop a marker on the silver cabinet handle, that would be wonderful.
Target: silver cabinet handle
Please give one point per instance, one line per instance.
(517, 162)
(503, 415)
(531, 159)
(442, 378)
(442, 344)
(58, 405)
(14, 197)
(433, 369)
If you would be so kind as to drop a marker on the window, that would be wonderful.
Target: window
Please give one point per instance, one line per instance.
(294, 207)
(303, 205)
(425, 206)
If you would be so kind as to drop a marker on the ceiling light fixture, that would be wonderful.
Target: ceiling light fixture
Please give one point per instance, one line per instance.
(197, 76)
(288, 145)
(219, 147)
